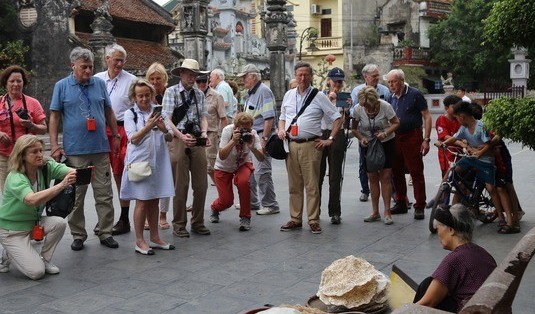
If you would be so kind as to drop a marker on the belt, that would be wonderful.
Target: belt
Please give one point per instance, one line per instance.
(304, 140)
(120, 123)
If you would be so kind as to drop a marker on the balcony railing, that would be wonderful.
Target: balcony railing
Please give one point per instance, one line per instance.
(411, 55)
(329, 43)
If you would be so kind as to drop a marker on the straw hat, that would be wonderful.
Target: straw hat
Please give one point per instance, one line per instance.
(188, 64)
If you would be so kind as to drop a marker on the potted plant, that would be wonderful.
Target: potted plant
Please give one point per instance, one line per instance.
(407, 45)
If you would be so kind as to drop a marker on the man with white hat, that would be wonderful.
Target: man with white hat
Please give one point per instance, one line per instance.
(260, 103)
(185, 109)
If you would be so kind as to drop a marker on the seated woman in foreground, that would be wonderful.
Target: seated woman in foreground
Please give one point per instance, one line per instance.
(462, 271)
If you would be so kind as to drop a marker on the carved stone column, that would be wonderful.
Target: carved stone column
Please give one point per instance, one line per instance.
(101, 36)
(194, 28)
(277, 20)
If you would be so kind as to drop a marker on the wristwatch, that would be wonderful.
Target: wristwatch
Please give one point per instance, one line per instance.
(331, 138)
(427, 139)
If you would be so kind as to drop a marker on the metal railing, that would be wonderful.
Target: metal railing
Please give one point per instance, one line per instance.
(512, 92)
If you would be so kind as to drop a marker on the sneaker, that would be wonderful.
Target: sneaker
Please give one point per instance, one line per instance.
(336, 220)
(214, 217)
(315, 228)
(291, 225)
(181, 232)
(419, 214)
(388, 221)
(245, 224)
(51, 268)
(364, 197)
(202, 230)
(267, 211)
(372, 218)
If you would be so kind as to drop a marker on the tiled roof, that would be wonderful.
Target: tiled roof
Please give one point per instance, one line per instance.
(144, 11)
(141, 54)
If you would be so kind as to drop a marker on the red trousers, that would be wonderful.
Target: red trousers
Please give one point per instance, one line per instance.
(408, 156)
(223, 183)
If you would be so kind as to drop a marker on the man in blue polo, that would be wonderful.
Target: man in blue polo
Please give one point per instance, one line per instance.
(260, 103)
(81, 103)
(370, 73)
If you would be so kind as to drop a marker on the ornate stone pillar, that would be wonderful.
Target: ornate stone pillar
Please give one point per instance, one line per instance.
(519, 68)
(101, 36)
(194, 28)
(277, 20)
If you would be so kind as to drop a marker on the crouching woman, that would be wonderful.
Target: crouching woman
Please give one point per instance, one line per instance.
(21, 211)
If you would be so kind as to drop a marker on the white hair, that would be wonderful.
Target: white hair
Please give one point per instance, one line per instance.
(398, 73)
(220, 73)
(81, 53)
(369, 68)
(110, 49)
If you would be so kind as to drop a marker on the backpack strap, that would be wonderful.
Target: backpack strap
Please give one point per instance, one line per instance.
(135, 115)
(44, 170)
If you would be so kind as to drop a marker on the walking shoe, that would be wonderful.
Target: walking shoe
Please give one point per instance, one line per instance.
(315, 228)
(291, 225)
(121, 227)
(4, 262)
(267, 211)
(388, 221)
(364, 197)
(335, 220)
(372, 218)
(214, 217)
(245, 224)
(96, 230)
(202, 230)
(110, 242)
(51, 268)
(419, 214)
(399, 208)
(77, 245)
(181, 232)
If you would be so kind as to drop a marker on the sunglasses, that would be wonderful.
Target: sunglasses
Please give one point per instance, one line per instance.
(202, 81)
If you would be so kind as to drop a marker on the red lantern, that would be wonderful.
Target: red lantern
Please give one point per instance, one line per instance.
(330, 58)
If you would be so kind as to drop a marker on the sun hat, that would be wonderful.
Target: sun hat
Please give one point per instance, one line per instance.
(249, 68)
(188, 64)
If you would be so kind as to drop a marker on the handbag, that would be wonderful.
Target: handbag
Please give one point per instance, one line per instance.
(275, 146)
(138, 171)
(375, 155)
(62, 204)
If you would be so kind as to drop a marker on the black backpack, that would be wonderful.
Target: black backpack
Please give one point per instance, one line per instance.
(63, 203)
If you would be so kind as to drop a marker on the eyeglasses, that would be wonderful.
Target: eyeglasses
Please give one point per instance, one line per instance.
(201, 81)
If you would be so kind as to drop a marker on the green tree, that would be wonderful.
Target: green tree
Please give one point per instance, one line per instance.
(12, 52)
(457, 44)
(511, 23)
(8, 20)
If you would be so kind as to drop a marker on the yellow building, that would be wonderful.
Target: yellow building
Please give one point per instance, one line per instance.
(319, 32)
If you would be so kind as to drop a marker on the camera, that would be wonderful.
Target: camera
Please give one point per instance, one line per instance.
(194, 129)
(23, 114)
(245, 136)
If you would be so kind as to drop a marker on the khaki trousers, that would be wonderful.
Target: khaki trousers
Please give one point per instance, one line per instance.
(3, 172)
(303, 167)
(211, 152)
(102, 192)
(23, 255)
(183, 161)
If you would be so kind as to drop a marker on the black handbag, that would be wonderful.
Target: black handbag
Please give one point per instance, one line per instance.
(275, 146)
(62, 204)
(375, 155)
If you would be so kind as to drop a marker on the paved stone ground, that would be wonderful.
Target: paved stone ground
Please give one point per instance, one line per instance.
(231, 271)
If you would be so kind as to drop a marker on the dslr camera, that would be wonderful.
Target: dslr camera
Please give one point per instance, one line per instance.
(194, 130)
(245, 136)
(23, 114)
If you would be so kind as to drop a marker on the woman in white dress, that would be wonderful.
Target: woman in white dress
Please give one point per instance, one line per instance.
(147, 134)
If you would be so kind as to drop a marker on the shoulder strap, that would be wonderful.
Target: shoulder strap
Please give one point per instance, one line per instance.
(135, 115)
(45, 174)
(309, 99)
(26, 109)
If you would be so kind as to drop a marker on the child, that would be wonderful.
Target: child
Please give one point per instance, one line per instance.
(447, 125)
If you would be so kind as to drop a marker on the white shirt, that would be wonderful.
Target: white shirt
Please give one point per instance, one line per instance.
(309, 122)
(231, 163)
(118, 91)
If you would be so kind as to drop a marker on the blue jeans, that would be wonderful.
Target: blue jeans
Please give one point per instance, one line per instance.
(363, 174)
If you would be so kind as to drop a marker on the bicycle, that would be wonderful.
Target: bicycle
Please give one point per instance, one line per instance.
(469, 189)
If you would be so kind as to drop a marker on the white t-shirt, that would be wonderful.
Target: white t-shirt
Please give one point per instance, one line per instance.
(380, 122)
(239, 154)
(118, 91)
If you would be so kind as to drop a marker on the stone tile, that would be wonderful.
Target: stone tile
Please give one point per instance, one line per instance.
(125, 288)
(83, 302)
(215, 303)
(150, 302)
(189, 288)
(60, 287)
(23, 302)
(15, 281)
(277, 277)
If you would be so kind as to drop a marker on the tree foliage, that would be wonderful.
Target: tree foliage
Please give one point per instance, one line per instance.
(457, 44)
(512, 119)
(8, 18)
(512, 22)
(12, 52)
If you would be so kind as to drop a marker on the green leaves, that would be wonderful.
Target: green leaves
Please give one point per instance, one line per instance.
(12, 52)
(512, 119)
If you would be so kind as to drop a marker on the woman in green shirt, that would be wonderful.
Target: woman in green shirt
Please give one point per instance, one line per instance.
(21, 211)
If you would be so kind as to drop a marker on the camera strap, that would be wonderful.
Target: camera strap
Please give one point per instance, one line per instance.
(309, 99)
(188, 102)
(11, 121)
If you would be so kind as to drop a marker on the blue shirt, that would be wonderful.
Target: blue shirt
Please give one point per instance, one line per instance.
(226, 91)
(408, 108)
(260, 103)
(78, 102)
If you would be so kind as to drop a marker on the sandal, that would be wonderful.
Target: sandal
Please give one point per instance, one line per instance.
(164, 225)
(508, 230)
(372, 218)
(146, 227)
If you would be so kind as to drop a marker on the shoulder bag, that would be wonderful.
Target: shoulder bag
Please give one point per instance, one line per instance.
(62, 204)
(140, 170)
(375, 153)
(275, 146)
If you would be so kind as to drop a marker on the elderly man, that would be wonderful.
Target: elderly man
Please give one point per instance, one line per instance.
(81, 103)
(411, 108)
(217, 120)
(217, 82)
(260, 104)
(370, 73)
(305, 145)
(117, 83)
(185, 108)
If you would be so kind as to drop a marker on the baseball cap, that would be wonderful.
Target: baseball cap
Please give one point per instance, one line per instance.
(249, 68)
(336, 74)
